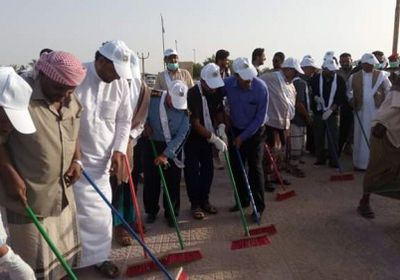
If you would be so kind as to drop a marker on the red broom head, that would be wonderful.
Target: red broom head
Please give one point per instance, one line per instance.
(285, 195)
(183, 256)
(269, 230)
(181, 275)
(342, 177)
(250, 242)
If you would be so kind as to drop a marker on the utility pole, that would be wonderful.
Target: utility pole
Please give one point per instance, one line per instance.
(194, 55)
(162, 33)
(396, 27)
(176, 45)
(143, 59)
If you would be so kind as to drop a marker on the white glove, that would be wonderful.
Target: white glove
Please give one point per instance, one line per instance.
(16, 267)
(221, 133)
(318, 99)
(326, 114)
(218, 143)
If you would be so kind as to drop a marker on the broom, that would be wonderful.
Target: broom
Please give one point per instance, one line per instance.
(342, 176)
(174, 257)
(249, 241)
(43, 232)
(128, 227)
(135, 202)
(284, 193)
(259, 230)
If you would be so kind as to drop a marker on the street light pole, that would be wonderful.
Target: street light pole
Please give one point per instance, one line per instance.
(194, 55)
(143, 59)
(396, 27)
(176, 45)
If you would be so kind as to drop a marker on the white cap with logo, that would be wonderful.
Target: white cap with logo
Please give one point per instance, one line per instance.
(369, 58)
(169, 52)
(293, 63)
(178, 92)
(15, 95)
(330, 64)
(119, 53)
(244, 68)
(211, 75)
(308, 61)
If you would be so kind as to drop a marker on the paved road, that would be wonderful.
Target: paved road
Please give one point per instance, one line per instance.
(320, 236)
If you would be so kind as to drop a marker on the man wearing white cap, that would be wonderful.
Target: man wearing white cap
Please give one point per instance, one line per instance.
(104, 134)
(367, 90)
(281, 109)
(247, 98)
(310, 68)
(14, 100)
(328, 94)
(173, 72)
(167, 126)
(206, 108)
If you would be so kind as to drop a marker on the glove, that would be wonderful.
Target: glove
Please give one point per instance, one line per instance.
(221, 133)
(318, 99)
(218, 143)
(17, 268)
(327, 114)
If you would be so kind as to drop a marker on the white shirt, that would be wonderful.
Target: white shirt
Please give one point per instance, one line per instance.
(105, 119)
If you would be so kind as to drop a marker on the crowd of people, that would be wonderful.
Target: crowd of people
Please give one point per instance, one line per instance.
(64, 116)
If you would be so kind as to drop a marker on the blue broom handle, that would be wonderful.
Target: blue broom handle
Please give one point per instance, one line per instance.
(128, 227)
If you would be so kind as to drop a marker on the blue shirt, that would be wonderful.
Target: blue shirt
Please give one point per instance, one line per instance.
(248, 107)
(178, 122)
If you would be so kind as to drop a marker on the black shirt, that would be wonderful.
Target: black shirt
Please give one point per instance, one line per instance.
(340, 95)
(195, 106)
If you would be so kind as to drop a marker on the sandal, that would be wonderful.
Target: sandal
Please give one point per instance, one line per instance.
(366, 211)
(209, 208)
(296, 172)
(198, 213)
(108, 269)
(122, 236)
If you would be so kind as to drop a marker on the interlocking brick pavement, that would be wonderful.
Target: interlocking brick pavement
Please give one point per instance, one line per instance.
(320, 236)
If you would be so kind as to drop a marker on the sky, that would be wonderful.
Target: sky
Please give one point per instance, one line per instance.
(296, 27)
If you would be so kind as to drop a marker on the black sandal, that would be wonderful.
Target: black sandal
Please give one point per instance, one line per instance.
(198, 213)
(108, 269)
(210, 209)
(366, 211)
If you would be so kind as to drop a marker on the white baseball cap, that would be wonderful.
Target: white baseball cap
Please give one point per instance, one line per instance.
(119, 53)
(244, 68)
(169, 52)
(308, 61)
(15, 94)
(178, 92)
(293, 63)
(330, 64)
(329, 54)
(211, 75)
(369, 58)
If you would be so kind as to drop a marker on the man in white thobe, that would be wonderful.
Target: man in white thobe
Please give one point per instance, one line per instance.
(104, 135)
(366, 91)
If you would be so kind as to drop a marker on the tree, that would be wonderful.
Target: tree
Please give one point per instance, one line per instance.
(209, 60)
(196, 70)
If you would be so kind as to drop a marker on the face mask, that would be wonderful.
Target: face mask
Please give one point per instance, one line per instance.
(173, 66)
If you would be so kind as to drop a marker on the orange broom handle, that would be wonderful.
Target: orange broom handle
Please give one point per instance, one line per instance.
(277, 174)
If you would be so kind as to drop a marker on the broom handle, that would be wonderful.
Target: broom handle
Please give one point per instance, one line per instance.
(166, 192)
(247, 185)
(244, 223)
(333, 144)
(127, 226)
(135, 202)
(53, 247)
(362, 129)
(277, 174)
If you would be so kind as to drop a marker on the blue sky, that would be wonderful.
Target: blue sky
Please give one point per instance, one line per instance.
(294, 27)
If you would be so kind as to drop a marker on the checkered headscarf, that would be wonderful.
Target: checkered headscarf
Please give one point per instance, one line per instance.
(62, 67)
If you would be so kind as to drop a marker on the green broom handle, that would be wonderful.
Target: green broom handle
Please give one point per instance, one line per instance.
(171, 209)
(228, 164)
(51, 244)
